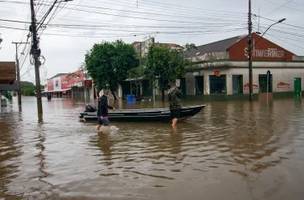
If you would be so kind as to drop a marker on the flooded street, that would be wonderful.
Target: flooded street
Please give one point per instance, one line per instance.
(231, 150)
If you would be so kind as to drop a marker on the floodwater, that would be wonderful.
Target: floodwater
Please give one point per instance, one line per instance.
(231, 150)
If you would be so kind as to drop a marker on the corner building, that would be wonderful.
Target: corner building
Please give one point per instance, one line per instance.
(221, 68)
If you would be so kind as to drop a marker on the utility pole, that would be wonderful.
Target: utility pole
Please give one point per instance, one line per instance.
(18, 74)
(250, 52)
(35, 51)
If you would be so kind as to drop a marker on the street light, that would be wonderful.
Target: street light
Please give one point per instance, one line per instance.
(250, 46)
(278, 22)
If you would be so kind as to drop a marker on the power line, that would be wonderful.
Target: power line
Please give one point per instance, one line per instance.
(286, 5)
(14, 28)
(51, 17)
(139, 34)
(25, 58)
(39, 5)
(120, 26)
(280, 6)
(46, 15)
(284, 23)
(180, 8)
(289, 33)
(136, 12)
(125, 16)
(293, 44)
(167, 7)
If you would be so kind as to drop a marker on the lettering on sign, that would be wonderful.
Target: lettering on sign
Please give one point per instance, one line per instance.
(283, 85)
(254, 86)
(268, 53)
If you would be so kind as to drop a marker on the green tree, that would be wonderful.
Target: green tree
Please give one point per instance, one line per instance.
(190, 46)
(164, 64)
(108, 63)
(27, 88)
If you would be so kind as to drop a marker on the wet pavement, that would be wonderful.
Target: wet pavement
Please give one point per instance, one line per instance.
(231, 150)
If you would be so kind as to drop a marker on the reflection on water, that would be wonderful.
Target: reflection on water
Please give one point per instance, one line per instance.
(231, 150)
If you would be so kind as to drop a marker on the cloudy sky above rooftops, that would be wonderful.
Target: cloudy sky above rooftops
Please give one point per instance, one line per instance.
(73, 27)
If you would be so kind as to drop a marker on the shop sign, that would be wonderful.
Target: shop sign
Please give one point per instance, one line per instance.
(217, 72)
(87, 83)
(265, 53)
(268, 53)
(78, 84)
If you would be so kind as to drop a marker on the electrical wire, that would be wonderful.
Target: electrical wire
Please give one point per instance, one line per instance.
(14, 28)
(284, 23)
(128, 16)
(40, 23)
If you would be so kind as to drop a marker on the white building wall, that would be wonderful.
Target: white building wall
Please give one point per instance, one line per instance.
(119, 91)
(229, 86)
(206, 82)
(282, 79)
(244, 72)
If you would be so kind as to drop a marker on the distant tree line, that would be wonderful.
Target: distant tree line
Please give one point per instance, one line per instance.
(27, 88)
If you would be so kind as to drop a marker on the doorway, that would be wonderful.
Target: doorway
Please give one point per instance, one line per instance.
(237, 84)
(199, 85)
(297, 87)
(183, 86)
(265, 83)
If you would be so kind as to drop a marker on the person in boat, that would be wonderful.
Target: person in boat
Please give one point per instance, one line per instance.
(102, 109)
(174, 97)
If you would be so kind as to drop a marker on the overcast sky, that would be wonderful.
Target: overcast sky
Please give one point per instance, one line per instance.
(73, 27)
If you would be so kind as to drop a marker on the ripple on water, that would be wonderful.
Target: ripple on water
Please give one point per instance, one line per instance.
(63, 158)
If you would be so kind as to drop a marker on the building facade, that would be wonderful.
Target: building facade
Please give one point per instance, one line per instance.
(74, 85)
(221, 68)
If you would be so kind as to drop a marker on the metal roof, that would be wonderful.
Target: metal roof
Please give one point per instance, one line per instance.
(218, 46)
(57, 75)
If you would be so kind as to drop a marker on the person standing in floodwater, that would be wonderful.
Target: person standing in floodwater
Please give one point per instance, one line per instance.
(102, 111)
(174, 97)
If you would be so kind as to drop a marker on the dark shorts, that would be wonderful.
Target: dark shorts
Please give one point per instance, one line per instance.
(103, 121)
(175, 113)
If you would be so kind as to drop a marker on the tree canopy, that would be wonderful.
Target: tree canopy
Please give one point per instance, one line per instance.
(108, 63)
(164, 64)
(27, 88)
(190, 46)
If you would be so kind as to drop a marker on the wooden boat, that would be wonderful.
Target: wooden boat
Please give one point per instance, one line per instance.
(153, 114)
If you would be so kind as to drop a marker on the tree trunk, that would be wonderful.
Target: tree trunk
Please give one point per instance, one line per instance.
(114, 95)
(163, 95)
